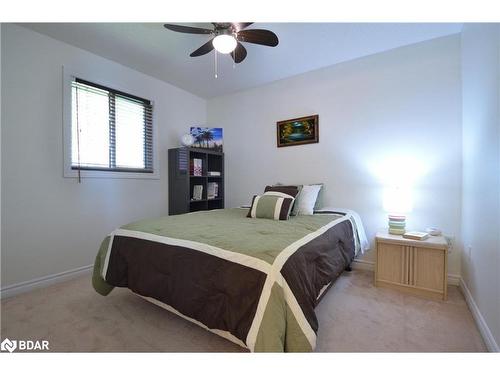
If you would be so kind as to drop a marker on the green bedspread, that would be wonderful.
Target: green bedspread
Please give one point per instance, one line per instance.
(275, 251)
(231, 230)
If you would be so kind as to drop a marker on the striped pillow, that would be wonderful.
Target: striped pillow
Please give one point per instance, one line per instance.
(290, 189)
(271, 205)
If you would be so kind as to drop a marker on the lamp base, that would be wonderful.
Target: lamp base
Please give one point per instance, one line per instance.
(398, 232)
(397, 224)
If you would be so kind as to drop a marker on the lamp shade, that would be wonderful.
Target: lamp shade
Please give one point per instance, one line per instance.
(398, 200)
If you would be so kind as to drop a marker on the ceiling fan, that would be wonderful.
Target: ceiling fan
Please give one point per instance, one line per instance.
(227, 38)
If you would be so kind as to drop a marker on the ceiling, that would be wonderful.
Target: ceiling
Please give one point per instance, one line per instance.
(151, 49)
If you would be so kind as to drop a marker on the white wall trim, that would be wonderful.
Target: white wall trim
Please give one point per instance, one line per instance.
(40, 282)
(454, 279)
(368, 265)
(365, 265)
(488, 338)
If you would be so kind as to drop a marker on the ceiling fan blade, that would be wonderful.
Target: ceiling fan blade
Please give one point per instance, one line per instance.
(258, 36)
(239, 53)
(187, 29)
(204, 49)
(241, 25)
(221, 25)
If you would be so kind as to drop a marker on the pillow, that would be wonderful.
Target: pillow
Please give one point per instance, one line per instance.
(271, 205)
(293, 190)
(307, 199)
(319, 201)
(317, 205)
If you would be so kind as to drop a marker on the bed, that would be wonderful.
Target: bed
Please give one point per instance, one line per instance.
(255, 282)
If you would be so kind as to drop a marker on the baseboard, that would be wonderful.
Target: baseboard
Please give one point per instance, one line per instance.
(365, 265)
(26, 286)
(368, 265)
(454, 279)
(488, 338)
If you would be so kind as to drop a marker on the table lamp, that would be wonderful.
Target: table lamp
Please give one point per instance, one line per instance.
(397, 203)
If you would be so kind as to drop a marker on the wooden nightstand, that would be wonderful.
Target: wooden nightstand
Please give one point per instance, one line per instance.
(418, 267)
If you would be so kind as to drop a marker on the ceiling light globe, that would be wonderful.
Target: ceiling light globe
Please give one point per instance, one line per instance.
(224, 43)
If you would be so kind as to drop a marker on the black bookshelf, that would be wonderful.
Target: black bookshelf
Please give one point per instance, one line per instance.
(181, 180)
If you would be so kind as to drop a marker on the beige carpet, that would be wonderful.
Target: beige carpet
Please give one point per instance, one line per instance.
(354, 316)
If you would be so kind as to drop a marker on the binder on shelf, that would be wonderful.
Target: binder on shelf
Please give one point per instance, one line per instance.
(212, 190)
(197, 192)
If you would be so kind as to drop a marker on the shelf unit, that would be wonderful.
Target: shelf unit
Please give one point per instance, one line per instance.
(181, 180)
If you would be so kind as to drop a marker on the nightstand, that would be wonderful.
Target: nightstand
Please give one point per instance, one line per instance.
(417, 267)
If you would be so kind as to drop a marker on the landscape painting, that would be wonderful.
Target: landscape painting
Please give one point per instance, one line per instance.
(210, 138)
(298, 131)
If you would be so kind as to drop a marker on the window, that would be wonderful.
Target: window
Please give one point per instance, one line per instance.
(110, 130)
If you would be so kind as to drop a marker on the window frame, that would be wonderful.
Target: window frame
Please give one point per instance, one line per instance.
(69, 75)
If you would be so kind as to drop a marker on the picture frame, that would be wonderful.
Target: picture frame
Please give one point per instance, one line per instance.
(208, 138)
(297, 131)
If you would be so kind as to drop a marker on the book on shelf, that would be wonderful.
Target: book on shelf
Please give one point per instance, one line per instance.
(196, 167)
(212, 190)
(197, 192)
(213, 173)
(416, 235)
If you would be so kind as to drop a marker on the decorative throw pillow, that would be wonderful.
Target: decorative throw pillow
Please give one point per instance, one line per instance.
(319, 200)
(307, 199)
(293, 190)
(271, 205)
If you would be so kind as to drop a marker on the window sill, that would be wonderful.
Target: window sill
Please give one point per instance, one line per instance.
(70, 173)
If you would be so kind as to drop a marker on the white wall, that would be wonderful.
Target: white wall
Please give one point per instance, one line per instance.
(481, 169)
(52, 224)
(375, 113)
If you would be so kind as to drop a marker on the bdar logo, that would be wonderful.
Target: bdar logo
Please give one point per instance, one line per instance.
(8, 345)
(24, 345)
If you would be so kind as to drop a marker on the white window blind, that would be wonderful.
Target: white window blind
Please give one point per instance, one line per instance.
(110, 130)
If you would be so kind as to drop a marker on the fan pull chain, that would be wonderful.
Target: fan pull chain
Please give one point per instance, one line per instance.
(234, 52)
(216, 75)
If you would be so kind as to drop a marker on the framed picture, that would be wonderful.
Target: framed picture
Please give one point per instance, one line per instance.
(210, 138)
(298, 131)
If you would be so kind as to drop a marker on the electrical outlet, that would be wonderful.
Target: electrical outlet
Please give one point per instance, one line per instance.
(451, 241)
